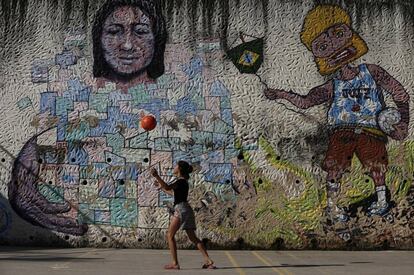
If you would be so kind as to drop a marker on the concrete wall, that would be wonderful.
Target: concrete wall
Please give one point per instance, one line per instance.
(258, 179)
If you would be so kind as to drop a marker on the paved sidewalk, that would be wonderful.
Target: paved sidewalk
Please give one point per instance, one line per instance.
(89, 261)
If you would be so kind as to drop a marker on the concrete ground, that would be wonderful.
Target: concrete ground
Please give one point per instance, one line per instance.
(90, 261)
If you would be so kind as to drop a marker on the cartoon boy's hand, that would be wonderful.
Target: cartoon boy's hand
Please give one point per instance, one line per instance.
(401, 131)
(273, 94)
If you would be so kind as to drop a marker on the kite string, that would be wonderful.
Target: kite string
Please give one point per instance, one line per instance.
(309, 117)
(242, 34)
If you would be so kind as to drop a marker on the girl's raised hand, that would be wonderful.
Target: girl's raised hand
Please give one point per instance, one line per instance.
(154, 172)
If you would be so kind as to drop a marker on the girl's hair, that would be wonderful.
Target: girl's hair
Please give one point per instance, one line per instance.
(185, 169)
(150, 8)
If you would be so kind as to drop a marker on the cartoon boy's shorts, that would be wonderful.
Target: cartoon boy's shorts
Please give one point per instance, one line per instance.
(368, 147)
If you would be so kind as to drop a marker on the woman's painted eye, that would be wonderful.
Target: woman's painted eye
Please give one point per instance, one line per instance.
(141, 31)
(113, 31)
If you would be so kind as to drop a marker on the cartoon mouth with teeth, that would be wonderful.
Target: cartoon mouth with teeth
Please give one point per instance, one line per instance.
(341, 56)
(354, 49)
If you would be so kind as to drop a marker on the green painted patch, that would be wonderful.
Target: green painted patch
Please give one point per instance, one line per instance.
(52, 193)
(124, 212)
(98, 102)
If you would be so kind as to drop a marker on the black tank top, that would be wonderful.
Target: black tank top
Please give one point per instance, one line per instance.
(181, 191)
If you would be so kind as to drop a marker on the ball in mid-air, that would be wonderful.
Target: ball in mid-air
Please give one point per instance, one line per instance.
(387, 118)
(148, 123)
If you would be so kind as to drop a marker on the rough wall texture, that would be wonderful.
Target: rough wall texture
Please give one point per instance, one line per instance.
(272, 169)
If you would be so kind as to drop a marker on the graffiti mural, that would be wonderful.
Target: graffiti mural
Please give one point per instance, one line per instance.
(286, 154)
(358, 119)
(98, 170)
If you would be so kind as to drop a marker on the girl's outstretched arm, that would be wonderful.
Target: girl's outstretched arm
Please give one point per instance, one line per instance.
(164, 186)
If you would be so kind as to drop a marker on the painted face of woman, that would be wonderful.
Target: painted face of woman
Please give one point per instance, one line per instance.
(128, 41)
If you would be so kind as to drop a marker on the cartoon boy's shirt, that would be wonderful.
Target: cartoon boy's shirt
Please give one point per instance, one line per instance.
(356, 102)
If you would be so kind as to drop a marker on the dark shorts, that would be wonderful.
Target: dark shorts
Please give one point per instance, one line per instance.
(369, 149)
(185, 213)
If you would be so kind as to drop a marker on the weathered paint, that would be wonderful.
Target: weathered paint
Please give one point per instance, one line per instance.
(74, 161)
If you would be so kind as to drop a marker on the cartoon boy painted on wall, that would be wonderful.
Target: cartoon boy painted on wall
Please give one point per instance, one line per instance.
(355, 98)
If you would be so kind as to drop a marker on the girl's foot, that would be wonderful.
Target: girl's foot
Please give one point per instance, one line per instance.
(209, 265)
(172, 266)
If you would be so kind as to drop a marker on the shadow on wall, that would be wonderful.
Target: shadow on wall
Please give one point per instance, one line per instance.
(36, 213)
(13, 229)
(17, 232)
(27, 200)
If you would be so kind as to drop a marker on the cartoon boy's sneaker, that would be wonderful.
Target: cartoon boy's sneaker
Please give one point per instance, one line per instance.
(378, 209)
(336, 214)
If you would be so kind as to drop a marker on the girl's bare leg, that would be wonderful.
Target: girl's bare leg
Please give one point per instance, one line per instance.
(192, 236)
(173, 228)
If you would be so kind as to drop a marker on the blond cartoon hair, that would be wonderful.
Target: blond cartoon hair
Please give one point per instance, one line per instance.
(317, 21)
(321, 18)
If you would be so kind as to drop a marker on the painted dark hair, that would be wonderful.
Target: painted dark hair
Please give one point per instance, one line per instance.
(185, 169)
(152, 9)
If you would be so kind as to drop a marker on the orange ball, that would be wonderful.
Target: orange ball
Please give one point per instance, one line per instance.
(148, 123)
